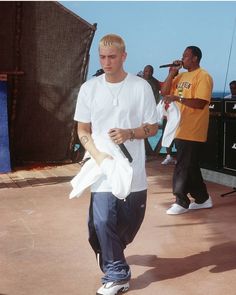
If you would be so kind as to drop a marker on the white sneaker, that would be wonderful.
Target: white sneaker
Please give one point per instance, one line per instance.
(113, 288)
(176, 209)
(168, 160)
(207, 204)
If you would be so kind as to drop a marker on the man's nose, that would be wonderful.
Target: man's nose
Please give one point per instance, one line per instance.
(107, 61)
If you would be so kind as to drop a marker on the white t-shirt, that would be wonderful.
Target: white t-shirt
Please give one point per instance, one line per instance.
(229, 96)
(127, 104)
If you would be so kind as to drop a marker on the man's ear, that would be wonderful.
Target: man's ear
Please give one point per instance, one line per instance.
(124, 55)
(195, 58)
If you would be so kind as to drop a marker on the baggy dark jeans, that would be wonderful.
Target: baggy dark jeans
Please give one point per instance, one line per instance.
(113, 224)
(187, 178)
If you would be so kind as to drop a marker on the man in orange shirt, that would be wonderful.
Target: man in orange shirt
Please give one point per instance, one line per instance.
(192, 91)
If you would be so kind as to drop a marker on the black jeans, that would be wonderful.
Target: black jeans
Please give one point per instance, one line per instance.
(187, 178)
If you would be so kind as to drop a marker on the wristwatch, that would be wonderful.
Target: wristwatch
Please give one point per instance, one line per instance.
(132, 135)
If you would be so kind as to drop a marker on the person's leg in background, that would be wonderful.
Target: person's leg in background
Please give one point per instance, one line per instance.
(181, 172)
(187, 179)
(196, 185)
(169, 158)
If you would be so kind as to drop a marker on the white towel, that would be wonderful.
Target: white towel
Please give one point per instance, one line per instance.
(117, 170)
(172, 114)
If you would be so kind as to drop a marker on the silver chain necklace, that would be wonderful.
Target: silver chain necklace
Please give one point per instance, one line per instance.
(115, 91)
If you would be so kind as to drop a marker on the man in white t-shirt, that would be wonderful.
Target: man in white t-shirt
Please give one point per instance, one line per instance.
(232, 86)
(120, 107)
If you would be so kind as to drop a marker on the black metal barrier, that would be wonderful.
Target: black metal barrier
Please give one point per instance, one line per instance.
(229, 151)
(211, 157)
(220, 149)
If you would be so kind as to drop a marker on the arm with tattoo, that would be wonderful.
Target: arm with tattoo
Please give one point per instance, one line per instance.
(146, 130)
(84, 133)
(84, 139)
(119, 136)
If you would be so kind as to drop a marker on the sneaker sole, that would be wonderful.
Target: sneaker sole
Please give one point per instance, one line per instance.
(179, 213)
(209, 205)
(199, 208)
(122, 290)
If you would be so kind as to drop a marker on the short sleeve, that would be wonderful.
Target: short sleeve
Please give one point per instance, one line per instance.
(150, 112)
(83, 109)
(204, 87)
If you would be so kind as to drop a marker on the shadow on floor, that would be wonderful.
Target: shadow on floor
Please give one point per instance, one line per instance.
(221, 257)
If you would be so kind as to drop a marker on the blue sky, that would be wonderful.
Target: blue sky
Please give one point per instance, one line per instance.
(157, 32)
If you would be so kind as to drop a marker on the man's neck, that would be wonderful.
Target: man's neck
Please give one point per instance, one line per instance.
(193, 68)
(115, 78)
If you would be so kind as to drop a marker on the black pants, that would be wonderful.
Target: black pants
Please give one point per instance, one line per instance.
(187, 178)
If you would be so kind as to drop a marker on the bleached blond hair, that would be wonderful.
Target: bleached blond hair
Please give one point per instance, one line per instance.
(112, 39)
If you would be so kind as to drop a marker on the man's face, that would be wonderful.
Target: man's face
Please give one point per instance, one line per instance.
(233, 89)
(111, 59)
(188, 59)
(147, 73)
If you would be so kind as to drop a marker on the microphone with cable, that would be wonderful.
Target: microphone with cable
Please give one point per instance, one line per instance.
(125, 152)
(122, 148)
(169, 65)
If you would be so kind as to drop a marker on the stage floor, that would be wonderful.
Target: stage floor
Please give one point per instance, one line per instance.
(44, 248)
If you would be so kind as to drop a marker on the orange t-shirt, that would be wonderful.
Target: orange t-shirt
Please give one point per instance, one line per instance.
(193, 124)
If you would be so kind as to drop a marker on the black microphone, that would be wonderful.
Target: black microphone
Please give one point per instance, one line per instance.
(125, 152)
(169, 65)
